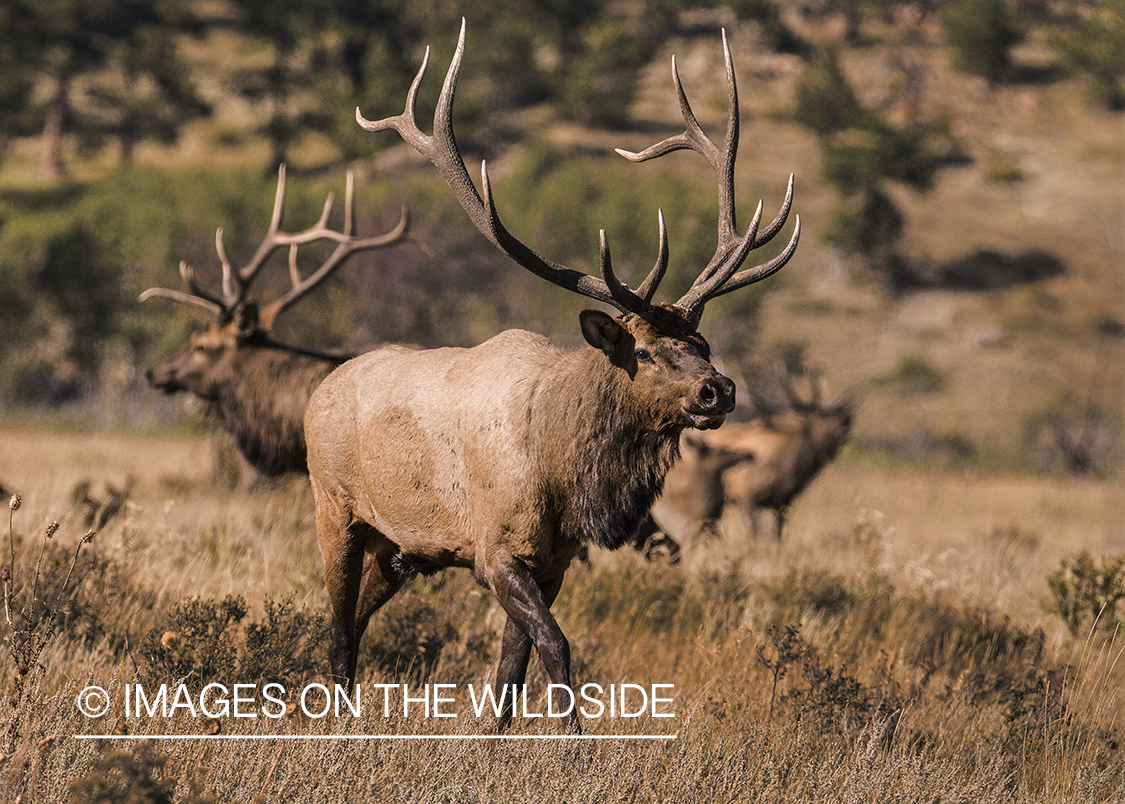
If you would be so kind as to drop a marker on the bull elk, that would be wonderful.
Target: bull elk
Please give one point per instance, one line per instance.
(253, 386)
(507, 457)
(786, 449)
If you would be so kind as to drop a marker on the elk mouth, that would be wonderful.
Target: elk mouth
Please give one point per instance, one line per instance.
(704, 420)
(166, 385)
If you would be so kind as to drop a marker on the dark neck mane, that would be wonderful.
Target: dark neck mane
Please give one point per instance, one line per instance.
(605, 468)
(263, 407)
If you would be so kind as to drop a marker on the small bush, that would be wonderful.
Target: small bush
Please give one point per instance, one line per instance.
(915, 375)
(1093, 49)
(203, 641)
(1087, 594)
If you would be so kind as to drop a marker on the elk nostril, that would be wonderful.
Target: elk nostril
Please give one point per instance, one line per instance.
(707, 395)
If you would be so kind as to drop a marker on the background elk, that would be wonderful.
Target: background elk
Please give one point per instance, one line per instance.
(253, 386)
(785, 448)
(762, 463)
(507, 457)
(693, 498)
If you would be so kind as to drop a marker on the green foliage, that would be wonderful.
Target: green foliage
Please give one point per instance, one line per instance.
(857, 160)
(915, 375)
(57, 276)
(406, 636)
(982, 34)
(1086, 593)
(126, 777)
(198, 643)
(140, 775)
(1093, 48)
(286, 647)
(861, 152)
(136, 86)
(825, 101)
(599, 83)
(203, 641)
(872, 228)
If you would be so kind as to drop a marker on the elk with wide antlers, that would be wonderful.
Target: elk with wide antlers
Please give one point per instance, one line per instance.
(254, 386)
(507, 457)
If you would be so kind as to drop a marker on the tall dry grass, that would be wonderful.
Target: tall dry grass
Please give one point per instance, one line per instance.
(896, 647)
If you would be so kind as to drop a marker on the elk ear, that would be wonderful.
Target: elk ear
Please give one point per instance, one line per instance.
(606, 333)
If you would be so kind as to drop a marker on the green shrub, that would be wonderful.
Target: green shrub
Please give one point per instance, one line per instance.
(1093, 48)
(982, 34)
(1086, 593)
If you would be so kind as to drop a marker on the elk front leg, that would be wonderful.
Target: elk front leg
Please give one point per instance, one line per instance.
(529, 623)
(515, 651)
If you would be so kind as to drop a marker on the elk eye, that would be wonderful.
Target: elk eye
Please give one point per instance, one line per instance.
(643, 356)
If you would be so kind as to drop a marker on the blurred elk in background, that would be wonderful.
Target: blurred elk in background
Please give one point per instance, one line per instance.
(508, 457)
(693, 498)
(253, 386)
(786, 448)
(762, 463)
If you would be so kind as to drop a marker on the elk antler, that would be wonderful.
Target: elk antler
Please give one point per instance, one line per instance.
(236, 283)
(441, 149)
(719, 276)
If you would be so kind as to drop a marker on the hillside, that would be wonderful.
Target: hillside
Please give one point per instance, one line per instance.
(1018, 247)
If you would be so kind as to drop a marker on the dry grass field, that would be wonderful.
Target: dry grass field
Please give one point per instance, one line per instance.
(898, 646)
(927, 632)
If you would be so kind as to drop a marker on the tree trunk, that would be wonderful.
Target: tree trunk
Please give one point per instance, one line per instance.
(50, 162)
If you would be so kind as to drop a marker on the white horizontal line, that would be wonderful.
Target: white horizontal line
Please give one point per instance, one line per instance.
(376, 736)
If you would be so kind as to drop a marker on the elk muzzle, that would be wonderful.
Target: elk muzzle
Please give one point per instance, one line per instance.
(162, 377)
(713, 400)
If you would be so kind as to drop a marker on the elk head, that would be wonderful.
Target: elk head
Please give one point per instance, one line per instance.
(209, 359)
(651, 341)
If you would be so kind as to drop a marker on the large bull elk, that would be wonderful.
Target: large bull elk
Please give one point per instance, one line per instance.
(507, 457)
(253, 386)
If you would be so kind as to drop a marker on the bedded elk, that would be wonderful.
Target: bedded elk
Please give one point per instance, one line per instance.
(506, 457)
(253, 386)
(786, 449)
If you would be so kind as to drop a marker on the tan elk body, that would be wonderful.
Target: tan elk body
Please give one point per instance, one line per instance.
(507, 457)
(694, 495)
(253, 386)
(787, 452)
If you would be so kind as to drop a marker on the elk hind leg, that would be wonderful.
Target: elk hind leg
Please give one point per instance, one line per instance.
(382, 578)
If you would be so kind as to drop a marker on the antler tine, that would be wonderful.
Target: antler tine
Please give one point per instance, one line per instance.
(701, 291)
(346, 245)
(648, 287)
(760, 272)
(441, 149)
(721, 161)
(273, 238)
(719, 276)
(237, 281)
(212, 307)
(187, 273)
